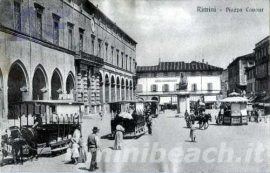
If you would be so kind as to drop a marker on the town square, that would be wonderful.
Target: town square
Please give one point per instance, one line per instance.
(134, 86)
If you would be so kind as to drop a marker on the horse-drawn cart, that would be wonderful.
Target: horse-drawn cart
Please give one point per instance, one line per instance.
(45, 127)
(131, 114)
(198, 114)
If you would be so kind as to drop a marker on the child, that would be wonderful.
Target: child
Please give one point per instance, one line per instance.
(192, 131)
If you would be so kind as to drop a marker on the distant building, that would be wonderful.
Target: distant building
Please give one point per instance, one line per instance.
(251, 82)
(237, 72)
(224, 83)
(262, 69)
(161, 82)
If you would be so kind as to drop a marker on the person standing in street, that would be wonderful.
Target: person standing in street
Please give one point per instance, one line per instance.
(93, 145)
(149, 123)
(119, 136)
(101, 114)
(192, 131)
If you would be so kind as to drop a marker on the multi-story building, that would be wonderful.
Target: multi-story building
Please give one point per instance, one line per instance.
(237, 72)
(161, 82)
(224, 83)
(262, 69)
(63, 49)
(251, 81)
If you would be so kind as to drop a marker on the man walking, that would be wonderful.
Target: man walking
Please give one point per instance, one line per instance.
(149, 123)
(93, 146)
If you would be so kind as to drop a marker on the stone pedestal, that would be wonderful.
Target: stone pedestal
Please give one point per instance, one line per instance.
(183, 103)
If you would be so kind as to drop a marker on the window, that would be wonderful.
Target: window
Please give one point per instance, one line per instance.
(165, 73)
(117, 57)
(106, 52)
(165, 88)
(194, 87)
(56, 20)
(70, 36)
(112, 50)
(99, 47)
(122, 56)
(93, 44)
(39, 24)
(154, 88)
(17, 16)
(81, 36)
(139, 88)
(126, 62)
(209, 86)
(130, 63)
(176, 87)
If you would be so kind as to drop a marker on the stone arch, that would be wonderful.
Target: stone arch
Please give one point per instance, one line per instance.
(107, 88)
(56, 84)
(123, 88)
(113, 88)
(130, 90)
(70, 83)
(127, 90)
(101, 83)
(118, 89)
(17, 86)
(40, 84)
(155, 98)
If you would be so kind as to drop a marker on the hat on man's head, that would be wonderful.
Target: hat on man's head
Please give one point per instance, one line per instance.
(95, 129)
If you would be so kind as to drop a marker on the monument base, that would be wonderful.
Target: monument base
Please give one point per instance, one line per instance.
(183, 103)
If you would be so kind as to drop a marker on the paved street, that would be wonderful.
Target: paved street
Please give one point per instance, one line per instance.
(169, 149)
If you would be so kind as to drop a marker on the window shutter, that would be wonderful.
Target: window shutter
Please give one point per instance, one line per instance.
(152, 88)
(163, 87)
(156, 87)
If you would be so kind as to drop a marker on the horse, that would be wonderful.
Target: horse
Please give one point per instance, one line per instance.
(12, 143)
(202, 120)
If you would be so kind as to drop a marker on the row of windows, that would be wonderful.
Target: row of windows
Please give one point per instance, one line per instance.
(126, 61)
(166, 87)
(262, 52)
(170, 74)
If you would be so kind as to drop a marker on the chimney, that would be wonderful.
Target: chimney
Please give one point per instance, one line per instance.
(202, 60)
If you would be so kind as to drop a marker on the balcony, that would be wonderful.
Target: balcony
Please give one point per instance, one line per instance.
(89, 59)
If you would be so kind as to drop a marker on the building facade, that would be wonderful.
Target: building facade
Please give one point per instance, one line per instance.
(262, 68)
(63, 49)
(161, 82)
(237, 72)
(224, 83)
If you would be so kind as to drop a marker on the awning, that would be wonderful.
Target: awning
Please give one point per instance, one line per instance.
(266, 98)
(209, 99)
(252, 98)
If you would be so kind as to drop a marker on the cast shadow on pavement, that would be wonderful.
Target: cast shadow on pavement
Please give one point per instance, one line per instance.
(190, 141)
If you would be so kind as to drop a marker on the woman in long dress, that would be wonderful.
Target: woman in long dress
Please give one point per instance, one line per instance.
(119, 137)
(192, 131)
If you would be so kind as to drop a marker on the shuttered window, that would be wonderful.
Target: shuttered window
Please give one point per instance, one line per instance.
(154, 88)
(165, 88)
(209, 86)
(194, 87)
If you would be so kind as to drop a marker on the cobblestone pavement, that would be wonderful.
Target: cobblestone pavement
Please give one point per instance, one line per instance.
(217, 149)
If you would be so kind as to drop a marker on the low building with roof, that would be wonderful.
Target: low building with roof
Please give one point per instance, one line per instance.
(161, 82)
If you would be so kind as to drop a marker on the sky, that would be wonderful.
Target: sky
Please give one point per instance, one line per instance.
(173, 30)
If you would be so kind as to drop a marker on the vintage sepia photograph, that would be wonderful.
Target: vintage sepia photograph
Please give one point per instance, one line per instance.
(135, 86)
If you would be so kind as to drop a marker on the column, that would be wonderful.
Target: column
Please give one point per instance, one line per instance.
(79, 88)
(85, 91)
(93, 92)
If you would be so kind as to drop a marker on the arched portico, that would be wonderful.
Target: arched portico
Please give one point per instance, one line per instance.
(56, 85)
(17, 86)
(40, 84)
